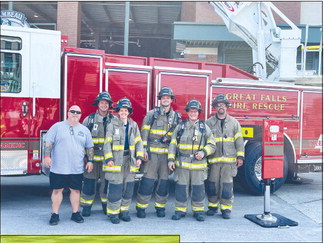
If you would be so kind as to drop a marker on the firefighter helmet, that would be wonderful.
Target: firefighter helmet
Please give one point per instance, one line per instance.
(103, 96)
(193, 104)
(124, 103)
(166, 91)
(221, 98)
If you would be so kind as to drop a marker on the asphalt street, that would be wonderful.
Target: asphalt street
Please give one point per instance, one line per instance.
(26, 209)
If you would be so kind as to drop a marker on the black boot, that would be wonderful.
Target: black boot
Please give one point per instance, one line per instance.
(104, 208)
(140, 212)
(178, 215)
(124, 215)
(86, 211)
(160, 212)
(226, 214)
(199, 216)
(212, 211)
(114, 218)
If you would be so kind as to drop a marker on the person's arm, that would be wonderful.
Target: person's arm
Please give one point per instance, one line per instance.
(47, 154)
(89, 164)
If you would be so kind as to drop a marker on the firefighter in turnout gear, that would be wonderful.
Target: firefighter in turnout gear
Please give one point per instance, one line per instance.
(223, 164)
(124, 153)
(157, 129)
(192, 141)
(96, 123)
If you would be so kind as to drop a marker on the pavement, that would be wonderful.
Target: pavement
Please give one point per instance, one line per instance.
(26, 209)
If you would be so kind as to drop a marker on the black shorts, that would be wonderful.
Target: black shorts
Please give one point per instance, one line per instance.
(59, 181)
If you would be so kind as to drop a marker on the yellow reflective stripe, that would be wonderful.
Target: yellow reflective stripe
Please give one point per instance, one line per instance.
(131, 147)
(140, 205)
(158, 132)
(111, 168)
(181, 209)
(159, 150)
(103, 199)
(134, 169)
(191, 165)
(210, 141)
(140, 153)
(84, 201)
(108, 139)
(144, 143)
(98, 158)
(214, 205)
(146, 127)
(170, 134)
(223, 207)
(238, 135)
(228, 139)
(137, 139)
(208, 150)
(197, 208)
(171, 156)
(108, 155)
(159, 205)
(111, 211)
(173, 141)
(118, 147)
(240, 153)
(98, 140)
(218, 139)
(124, 208)
(188, 146)
(222, 159)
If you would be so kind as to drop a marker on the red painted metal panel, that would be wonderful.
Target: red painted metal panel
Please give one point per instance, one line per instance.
(162, 62)
(272, 149)
(84, 51)
(126, 59)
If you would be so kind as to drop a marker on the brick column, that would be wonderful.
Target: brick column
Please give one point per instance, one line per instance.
(69, 21)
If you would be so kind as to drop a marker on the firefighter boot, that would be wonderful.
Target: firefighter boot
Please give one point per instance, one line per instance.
(178, 215)
(124, 215)
(114, 218)
(160, 212)
(104, 208)
(140, 212)
(86, 211)
(226, 214)
(212, 211)
(199, 216)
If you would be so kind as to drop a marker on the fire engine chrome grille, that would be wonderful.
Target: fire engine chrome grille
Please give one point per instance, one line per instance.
(14, 162)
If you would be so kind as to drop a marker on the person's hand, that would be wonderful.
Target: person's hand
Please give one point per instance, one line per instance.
(110, 163)
(138, 162)
(171, 166)
(47, 162)
(239, 162)
(89, 166)
(199, 155)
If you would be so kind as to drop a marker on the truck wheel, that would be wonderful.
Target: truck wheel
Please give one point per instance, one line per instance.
(250, 173)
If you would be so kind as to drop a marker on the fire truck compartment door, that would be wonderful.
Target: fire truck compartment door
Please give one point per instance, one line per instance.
(272, 149)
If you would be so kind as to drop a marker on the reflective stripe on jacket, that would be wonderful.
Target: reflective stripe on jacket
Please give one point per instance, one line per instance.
(229, 142)
(114, 145)
(152, 134)
(191, 141)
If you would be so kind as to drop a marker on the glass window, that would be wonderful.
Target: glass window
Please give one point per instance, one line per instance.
(10, 73)
(10, 43)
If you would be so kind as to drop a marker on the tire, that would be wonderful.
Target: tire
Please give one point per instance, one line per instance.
(249, 175)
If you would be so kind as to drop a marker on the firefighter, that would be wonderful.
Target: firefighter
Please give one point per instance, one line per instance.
(157, 129)
(223, 164)
(192, 141)
(96, 123)
(124, 153)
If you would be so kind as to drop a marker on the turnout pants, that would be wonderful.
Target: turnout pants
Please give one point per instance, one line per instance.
(189, 181)
(219, 185)
(120, 188)
(89, 188)
(154, 169)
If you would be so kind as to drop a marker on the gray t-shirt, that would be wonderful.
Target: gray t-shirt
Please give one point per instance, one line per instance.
(69, 143)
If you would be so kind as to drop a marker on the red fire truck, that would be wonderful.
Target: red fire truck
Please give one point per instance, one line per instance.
(41, 78)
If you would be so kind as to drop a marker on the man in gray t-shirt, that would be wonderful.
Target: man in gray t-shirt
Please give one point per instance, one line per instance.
(65, 143)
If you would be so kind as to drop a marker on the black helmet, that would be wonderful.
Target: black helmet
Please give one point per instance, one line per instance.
(166, 91)
(103, 96)
(221, 98)
(193, 104)
(124, 103)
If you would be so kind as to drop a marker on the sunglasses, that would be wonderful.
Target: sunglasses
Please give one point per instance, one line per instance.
(77, 112)
(220, 105)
